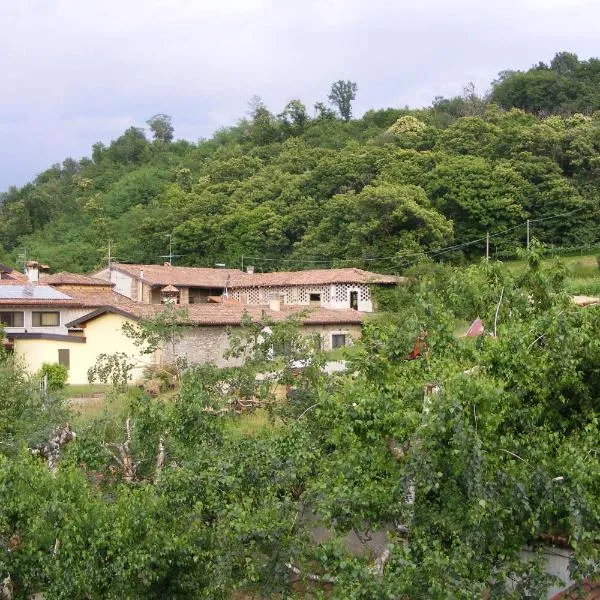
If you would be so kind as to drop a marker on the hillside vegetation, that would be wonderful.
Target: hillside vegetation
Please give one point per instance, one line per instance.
(290, 190)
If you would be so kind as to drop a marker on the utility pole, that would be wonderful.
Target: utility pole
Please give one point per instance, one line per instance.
(242, 262)
(487, 246)
(170, 256)
(109, 262)
(23, 257)
(527, 234)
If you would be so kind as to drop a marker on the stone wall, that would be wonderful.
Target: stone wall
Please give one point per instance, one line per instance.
(208, 344)
(201, 345)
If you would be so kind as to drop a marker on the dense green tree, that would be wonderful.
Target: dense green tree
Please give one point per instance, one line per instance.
(161, 127)
(341, 96)
(287, 168)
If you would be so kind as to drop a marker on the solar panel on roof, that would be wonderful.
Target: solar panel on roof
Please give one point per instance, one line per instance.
(29, 292)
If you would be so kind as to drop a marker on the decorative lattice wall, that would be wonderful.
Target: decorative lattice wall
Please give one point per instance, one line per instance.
(342, 292)
(293, 295)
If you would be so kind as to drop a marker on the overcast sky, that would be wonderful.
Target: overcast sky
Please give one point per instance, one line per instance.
(78, 71)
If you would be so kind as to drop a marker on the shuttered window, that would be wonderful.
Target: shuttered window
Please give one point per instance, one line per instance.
(45, 319)
(64, 357)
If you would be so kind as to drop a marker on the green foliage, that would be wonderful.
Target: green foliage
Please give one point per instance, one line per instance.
(153, 332)
(341, 96)
(276, 186)
(566, 86)
(452, 485)
(161, 128)
(57, 375)
(112, 368)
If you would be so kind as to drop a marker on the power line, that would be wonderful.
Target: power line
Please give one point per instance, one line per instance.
(401, 255)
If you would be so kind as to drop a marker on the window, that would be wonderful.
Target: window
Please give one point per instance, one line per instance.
(11, 319)
(354, 300)
(315, 299)
(45, 319)
(338, 340)
(64, 357)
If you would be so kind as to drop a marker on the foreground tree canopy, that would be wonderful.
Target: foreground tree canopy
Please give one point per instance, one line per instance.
(289, 189)
(438, 493)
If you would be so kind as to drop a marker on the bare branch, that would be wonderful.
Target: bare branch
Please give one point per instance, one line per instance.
(498, 310)
(515, 455)
(310, 576)
(381, 561)
(160, 459)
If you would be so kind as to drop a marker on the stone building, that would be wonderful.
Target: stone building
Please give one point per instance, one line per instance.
(325, 288)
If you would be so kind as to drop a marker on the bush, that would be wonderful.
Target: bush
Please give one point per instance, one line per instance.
(57, 375)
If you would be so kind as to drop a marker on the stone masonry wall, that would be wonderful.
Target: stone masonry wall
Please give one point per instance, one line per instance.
(202, 345)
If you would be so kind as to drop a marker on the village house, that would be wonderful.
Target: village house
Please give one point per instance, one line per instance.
(35, 312)
(72, 319)
(325, 288)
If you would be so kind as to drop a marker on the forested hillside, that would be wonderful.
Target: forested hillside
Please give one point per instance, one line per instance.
(317, 188)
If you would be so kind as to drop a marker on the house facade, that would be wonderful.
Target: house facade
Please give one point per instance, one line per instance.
(73, 319)
(321, 288)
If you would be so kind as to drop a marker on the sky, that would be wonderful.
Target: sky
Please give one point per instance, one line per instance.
(74, 72)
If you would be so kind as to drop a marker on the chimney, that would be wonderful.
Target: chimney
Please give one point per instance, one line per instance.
(250, 269)
(32, 270)
(141, 273)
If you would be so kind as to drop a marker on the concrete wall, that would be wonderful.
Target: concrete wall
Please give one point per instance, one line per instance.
(103, 335)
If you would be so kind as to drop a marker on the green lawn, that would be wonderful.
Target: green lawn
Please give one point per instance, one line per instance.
(86, 390)
(583, 276)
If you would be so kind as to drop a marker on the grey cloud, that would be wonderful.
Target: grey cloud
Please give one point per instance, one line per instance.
(77, 72)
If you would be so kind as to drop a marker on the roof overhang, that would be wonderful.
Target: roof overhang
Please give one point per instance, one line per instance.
(57, 337)
(102, 310)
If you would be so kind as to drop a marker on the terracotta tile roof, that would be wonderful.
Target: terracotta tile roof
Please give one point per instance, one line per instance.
(11, 277)
(588, 589)
(231, 314)
(312, 277)
(234, 278)
(78, 298)
(170, 288)
(65, 278)
(179, 276)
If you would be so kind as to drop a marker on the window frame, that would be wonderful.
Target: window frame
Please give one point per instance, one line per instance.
(12, 313)
(339, 334)
(41, 314)
(64, 357)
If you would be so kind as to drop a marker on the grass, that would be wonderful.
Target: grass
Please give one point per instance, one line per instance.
(88, 409)
(251, 423)
(86, 390)
(583, 272)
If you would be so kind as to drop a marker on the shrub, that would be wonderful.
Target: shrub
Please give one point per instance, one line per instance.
(57, 375)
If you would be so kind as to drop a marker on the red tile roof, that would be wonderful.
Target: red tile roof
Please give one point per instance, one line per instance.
(312, 277)
(179, 276)
(231, 314)
(77, 298)
(588, 589)
(234, 278)
(8, 276)
(65, 278)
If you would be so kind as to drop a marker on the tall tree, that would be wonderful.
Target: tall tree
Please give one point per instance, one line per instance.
(341, 96)
(161, 127)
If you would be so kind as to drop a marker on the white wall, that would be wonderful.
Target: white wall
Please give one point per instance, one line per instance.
(122, 281)
(66, 316)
